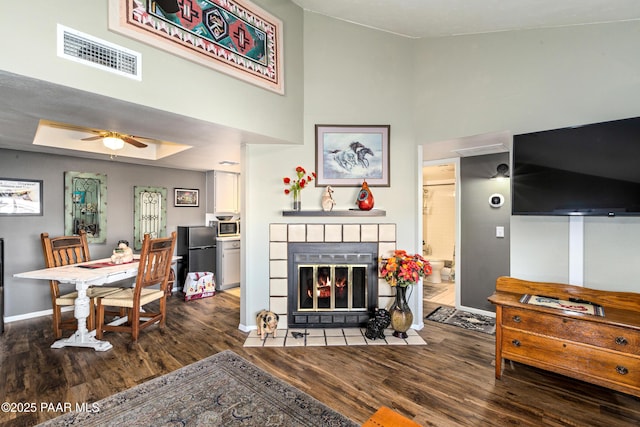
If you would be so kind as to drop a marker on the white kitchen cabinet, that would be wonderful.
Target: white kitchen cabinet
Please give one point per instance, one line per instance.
(228, 264)
(226, 193)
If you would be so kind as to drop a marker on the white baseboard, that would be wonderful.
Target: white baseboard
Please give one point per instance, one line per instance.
(34, 314)
(245, 328)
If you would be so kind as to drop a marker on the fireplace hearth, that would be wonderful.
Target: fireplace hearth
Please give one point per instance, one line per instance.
(331, 284)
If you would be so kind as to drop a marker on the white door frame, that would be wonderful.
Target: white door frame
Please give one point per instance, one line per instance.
(457, 258)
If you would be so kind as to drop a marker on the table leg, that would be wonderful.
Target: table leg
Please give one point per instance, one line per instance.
(82, 337)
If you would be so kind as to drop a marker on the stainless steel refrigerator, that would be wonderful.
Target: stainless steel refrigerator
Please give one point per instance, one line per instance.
(197, 247)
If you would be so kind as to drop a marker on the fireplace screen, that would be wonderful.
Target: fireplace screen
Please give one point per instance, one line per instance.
(331, 284)
(332, 287)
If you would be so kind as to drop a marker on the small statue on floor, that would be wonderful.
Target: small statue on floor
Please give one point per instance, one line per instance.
(377, 324)
(267, 322)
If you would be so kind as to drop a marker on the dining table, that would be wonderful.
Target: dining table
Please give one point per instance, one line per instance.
(83, 275)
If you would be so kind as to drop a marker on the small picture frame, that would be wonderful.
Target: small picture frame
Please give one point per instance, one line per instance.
(21, 197)
(347, 155)
(186, 197)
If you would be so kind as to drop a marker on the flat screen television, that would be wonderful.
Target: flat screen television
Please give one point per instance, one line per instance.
(586, 170)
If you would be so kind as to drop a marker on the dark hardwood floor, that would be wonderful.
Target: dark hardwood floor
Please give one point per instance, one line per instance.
(446, 383)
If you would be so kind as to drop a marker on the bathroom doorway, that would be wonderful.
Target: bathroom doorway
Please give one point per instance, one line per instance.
(439, 204)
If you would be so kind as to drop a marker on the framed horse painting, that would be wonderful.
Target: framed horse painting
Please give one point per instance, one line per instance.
(347, 155)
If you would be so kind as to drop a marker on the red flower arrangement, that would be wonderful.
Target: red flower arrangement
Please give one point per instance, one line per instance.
(297, 184)
(403, 269)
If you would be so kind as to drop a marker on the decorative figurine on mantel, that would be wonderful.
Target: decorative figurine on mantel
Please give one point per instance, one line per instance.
(122, 254)
(365, 198)
(327, 199)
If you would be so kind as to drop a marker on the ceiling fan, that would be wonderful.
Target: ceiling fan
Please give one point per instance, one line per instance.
(110, 139)
(115, 140)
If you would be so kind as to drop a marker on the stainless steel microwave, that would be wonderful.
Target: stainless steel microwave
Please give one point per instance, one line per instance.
(226, 228)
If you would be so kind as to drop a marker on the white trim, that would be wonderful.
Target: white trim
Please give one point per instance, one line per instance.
(245, 328)
(457, 259)
(34, 314)
(418, 246)
(49, 312)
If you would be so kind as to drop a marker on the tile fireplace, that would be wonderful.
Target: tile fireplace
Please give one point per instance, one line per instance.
(326, 275)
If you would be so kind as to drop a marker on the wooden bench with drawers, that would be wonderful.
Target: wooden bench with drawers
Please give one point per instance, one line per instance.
(600, 350)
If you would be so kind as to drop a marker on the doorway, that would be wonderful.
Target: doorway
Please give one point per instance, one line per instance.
(439, 204)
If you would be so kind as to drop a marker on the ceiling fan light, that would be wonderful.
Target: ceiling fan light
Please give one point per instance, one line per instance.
(113, 143)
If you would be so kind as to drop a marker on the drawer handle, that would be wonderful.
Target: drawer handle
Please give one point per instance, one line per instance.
(621, 341)
(516, 343)
(517, 319)
(622, 370)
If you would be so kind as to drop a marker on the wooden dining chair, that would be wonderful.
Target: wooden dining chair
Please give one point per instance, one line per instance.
(68, 250)
(153, 271)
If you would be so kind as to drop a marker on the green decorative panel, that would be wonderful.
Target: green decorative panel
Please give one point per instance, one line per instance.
(85, 205)
(149, 213)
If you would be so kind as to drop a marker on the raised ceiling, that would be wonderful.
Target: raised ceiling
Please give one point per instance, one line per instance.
(442, 18)
(71, 137)
(24, 101)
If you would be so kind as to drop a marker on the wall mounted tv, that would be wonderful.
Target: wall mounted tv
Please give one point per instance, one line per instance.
(586, 170)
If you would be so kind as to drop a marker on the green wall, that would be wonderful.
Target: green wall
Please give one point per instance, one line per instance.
(534, 80)
(339, 73)
(169, 82)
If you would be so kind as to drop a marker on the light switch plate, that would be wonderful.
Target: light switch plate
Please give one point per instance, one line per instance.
(499, 231)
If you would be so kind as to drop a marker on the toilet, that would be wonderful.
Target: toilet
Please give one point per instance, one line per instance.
(436, 268)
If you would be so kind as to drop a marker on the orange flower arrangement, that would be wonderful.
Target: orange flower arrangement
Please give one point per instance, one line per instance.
(297, 184)
(403, 269)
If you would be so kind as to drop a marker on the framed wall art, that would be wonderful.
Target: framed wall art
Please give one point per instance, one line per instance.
(149, 213)
(85, 205)
(346, 155)
(235, 37)
(21, 197)
(186, 197)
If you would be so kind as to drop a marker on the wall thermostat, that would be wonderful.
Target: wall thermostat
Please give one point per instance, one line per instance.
(496, 200)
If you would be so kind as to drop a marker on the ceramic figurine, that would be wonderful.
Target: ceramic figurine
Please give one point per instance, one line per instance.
(267, 323)
(122, 254)
(327, 199)
(365, 198)
(377, 324)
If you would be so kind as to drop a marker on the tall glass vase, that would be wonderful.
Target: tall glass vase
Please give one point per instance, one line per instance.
(401, 315)
(297, 201)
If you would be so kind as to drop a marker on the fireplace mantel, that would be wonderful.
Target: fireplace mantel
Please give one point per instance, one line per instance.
(347, 212)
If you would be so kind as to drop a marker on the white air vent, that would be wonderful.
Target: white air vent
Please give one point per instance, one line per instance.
(92, 51)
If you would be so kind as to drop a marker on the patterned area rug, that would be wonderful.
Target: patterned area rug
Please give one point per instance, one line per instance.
(463, 319)
(221, 390)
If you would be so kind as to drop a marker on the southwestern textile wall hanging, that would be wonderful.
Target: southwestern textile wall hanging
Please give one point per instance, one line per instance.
(235, 37)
